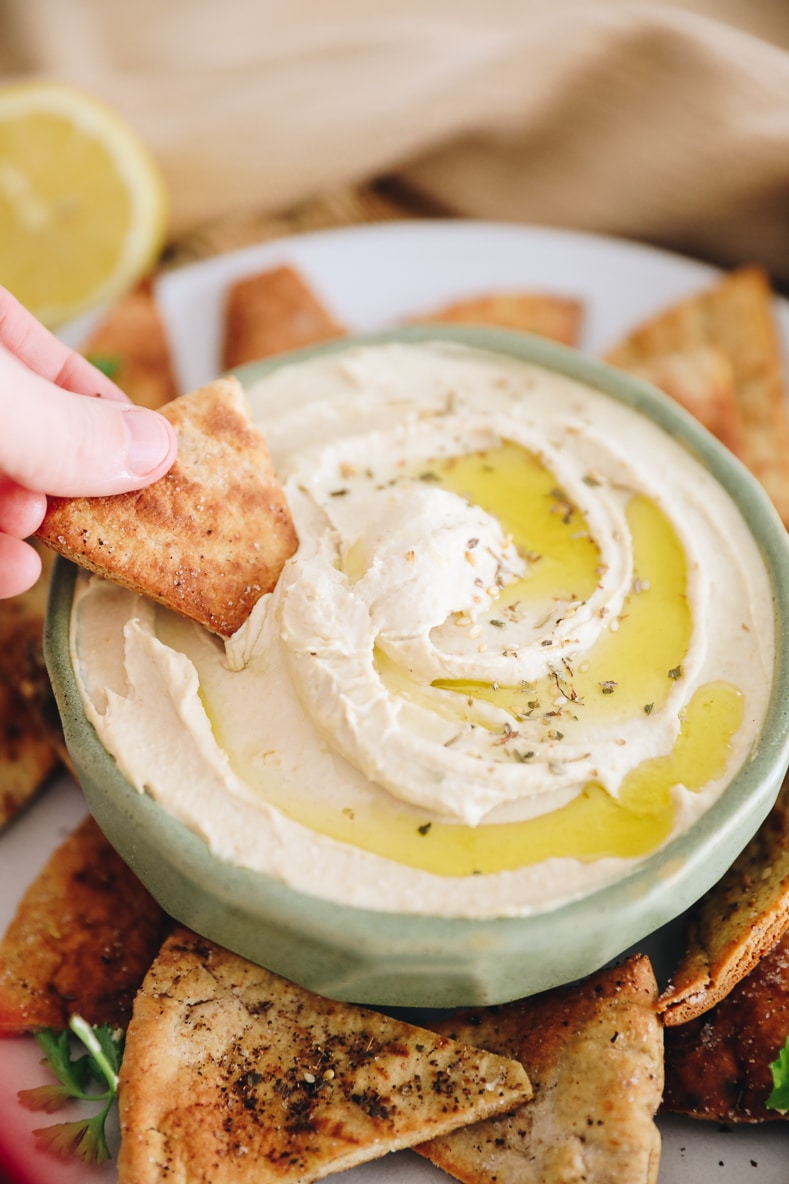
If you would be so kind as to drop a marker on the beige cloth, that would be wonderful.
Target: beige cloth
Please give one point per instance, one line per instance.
(664, 122)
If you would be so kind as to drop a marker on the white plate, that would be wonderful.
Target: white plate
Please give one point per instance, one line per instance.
(371, 276)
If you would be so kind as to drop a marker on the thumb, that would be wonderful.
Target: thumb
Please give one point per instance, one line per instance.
(57, 442)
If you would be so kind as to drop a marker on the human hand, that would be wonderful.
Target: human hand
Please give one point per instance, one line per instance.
(66, 430)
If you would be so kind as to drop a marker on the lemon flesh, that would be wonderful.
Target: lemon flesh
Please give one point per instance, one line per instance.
(82, 202)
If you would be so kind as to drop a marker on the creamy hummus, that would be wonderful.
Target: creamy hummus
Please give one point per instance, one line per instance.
(525, 639)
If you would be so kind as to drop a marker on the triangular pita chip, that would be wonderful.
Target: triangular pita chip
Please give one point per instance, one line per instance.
(735, 316)
(736, 923)
(233, 1075)
(594, 1055)
(701, 380)
(272, 312)
(27, 755)
(718, 1066)
(130, 343)
(556, 317)
(83, 936)
(210, 537)
(31, 740)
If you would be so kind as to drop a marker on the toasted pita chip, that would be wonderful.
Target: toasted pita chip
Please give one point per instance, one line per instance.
(556, 317)
(701, 380)
(31, 739)
(209, 538)
(270, 313)
(232, 1074)
(83, 936)
(718, 1066)
(736, 923)
(594, 1054)
(27, 757)
(131, 344)
(735, 316)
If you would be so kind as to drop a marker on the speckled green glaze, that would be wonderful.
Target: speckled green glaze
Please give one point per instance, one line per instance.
(392, 959)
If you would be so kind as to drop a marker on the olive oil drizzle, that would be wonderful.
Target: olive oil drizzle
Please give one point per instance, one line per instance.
(630, 669)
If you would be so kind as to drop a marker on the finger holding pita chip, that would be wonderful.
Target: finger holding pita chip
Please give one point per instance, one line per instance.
(594, 1055)
(233, 1075)
(209, 538)
(736, 923)
(82, 938)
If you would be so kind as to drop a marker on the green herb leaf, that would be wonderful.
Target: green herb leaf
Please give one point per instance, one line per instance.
(77, 1078)
(107, 363)
(779, 1098)
(83, 1138)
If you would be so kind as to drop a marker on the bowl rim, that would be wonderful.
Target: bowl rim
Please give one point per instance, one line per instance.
(719, 827)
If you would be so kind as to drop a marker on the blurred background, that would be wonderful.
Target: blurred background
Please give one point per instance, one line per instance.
(664, 122)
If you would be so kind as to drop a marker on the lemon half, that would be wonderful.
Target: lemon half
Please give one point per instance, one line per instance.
(82, 201)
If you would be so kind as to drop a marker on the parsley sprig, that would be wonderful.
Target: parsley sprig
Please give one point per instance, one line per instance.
(779, 1098)
(78, 1079)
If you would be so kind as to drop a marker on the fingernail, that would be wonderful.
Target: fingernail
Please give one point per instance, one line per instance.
(148, 440)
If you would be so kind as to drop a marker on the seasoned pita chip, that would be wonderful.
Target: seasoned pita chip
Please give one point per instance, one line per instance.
(27, 756)
(31, 740)
(270, 313)
(556, 317)
(209, 538)
(131, 345)
(594, 1054)
(736, 923)
(718, 1066)
(83, 936)
(701, 380)
(735, 316)
(233, 1075)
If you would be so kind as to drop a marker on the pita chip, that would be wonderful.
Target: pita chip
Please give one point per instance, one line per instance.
(233, 1075)
(736, 923)
(131, 344)
(701, 380)
(735, 316)
(556, 317)
(718, 1066)
(208, 539)
(31, 739)
(270, 313)
(594, 1055)
(27, 756)
(83, 936)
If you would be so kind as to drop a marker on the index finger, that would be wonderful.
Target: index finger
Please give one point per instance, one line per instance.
(43, 353)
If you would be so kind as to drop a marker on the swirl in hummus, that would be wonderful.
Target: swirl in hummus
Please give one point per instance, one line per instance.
(526, 638)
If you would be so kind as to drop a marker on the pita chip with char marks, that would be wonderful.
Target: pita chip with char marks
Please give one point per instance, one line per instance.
(736, 923)
(82, 938)
(594, 1055)
(31, 739)
(209, 538)
(233, 1075)
(718, 1065)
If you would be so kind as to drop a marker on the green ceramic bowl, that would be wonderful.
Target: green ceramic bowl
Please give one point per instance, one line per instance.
(422, 961)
